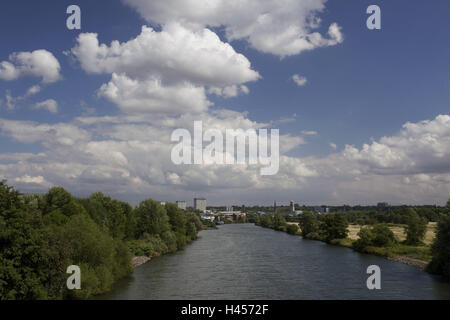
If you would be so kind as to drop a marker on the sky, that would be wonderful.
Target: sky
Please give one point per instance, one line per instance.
(363, 114)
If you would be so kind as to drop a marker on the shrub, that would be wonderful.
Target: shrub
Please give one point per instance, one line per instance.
(378, 236)
(292, 229)
(365, 239)
(383, 236)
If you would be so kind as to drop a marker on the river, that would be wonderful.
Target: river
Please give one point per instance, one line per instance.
(243, 261)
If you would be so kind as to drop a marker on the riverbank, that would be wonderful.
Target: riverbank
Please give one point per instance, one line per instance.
(416, 256)
(139, 260)
(218, 266)
(410, 261)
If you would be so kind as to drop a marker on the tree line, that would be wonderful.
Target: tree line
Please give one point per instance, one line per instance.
(41, 235)
(375, 236)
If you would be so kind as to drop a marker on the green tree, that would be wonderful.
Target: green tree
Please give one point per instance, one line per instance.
(113, 214)
(279, 223)
(440, 263)
(415, 229)
(334, 226)
(152, 218)
(177, 219)
(101, 259)
(365, 239)
(266, 221)
(378, 236)
(59, 201)
(26, 263)
(191, 230)
(383, 236)
(447, 207)
(170, 239)
(309, 225)
(192, 217)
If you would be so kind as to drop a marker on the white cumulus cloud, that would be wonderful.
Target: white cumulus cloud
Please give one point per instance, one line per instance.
(282, 28)
(299, 80)
(50, 105)
(166, 71)
(38, 63)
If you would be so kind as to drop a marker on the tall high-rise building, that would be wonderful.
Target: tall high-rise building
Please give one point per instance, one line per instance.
(200, 204)
(182, 205)
(292, 206)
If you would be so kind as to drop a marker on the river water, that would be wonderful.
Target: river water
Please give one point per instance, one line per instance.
(243, 261)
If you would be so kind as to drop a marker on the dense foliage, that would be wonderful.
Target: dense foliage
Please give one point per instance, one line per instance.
(376, 235)
(292, 229)
(41, 235)
(333, 226)
(379, 236)
(398, 215)
(440, 264)
(309, 224)
(326, 227)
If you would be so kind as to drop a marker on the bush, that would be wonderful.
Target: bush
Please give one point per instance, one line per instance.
(140, 248)
(383, 236)
(379, 236)
(266, 221)
(292, 229)
(101, 259)
(314, 236)
(365, 239)
(170, 240)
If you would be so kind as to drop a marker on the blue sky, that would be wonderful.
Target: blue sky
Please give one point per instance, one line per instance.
(358, 91)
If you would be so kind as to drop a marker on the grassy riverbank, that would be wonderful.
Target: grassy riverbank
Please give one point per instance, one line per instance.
(421, 252)
(418, 256)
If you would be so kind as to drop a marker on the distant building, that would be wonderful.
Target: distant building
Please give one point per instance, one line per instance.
(292, 205)
(298, 212)
(200, 204)
(163, 203)
(208, 217)
(322, 209)
(230, 215)
(382, 204)
(182, 205)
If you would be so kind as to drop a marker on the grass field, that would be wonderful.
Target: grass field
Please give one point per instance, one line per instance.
(398, 230)
(422, 253)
